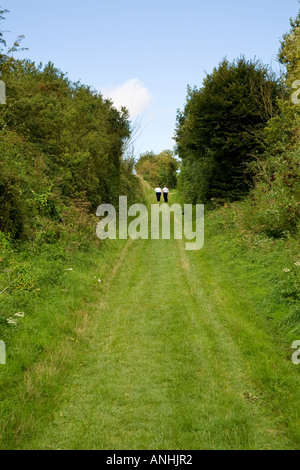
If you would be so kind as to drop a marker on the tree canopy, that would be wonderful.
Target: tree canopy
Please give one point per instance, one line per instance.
(158, 169)
(220, 128)
(58, 140)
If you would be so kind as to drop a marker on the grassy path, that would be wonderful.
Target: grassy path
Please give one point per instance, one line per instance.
(177, 358)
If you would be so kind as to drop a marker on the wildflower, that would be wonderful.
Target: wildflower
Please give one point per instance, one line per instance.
(11, 321)
(75, 340)
(297, 263)
(70, 269)
(286, 270)
(20, 314)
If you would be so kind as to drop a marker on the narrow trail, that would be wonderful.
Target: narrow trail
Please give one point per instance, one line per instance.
(170, 363)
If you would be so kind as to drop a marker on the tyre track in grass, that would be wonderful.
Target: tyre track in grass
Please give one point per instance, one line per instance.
(169, 363)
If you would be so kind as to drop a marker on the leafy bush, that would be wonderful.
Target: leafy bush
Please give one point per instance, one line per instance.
(22, 180)
(288, 287)
(220, 129)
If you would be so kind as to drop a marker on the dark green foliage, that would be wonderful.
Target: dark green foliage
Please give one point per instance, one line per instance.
(59, 141)
(275, 198)
(220, 129)
(272, 209)
(23, 185)
(80, 133)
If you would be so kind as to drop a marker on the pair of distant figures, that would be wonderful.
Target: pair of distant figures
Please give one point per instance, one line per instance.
(164, 192)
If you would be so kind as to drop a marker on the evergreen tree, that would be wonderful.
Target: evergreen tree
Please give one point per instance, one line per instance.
(221, 127)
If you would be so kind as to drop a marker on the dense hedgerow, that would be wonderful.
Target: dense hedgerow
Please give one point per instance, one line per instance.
(59, 141)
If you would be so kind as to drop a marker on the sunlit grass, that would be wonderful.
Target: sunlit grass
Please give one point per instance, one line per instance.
(171, 350)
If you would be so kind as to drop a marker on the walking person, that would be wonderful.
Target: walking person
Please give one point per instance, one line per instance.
(158, 192)
(166, 193)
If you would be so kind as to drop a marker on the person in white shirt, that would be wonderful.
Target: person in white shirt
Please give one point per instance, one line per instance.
(158, 194)
(165, 193)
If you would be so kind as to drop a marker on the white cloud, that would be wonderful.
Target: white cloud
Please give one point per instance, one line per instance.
(132, 94)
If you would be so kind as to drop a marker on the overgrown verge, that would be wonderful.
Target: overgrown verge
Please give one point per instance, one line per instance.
(270, 267)
(49, 294)
(257, 235)
(63, 152)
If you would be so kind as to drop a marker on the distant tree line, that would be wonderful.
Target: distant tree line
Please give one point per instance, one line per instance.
(158, 169)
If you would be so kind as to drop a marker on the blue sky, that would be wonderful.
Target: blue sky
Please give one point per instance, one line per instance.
(143, 54)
